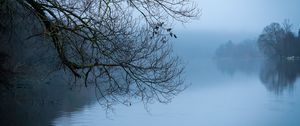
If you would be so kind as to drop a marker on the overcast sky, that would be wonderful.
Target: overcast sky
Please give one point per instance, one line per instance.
(244, 15)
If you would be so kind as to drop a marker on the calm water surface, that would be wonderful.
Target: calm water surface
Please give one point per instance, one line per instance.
(222, 93)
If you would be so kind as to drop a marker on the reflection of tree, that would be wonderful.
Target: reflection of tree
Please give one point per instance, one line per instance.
(231, 66)
(279, 75)
(38, 104)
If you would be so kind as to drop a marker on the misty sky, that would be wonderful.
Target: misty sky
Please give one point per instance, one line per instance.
(244, 15)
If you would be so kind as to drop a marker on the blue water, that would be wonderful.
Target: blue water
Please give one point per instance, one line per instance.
(215, 97)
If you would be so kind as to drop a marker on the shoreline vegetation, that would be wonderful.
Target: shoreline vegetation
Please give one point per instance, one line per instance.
(277, 42)
(275, 56)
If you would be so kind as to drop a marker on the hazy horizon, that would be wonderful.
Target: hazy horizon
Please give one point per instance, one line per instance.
(243, 16)
(112, 63)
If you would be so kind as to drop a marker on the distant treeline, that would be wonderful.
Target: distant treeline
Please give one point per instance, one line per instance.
(278, 41)
(243, 50)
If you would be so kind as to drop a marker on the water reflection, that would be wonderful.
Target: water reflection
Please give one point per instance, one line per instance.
(37, 104)
(231, 66)
(276, 75)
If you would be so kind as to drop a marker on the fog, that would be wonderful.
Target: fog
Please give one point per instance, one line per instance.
(243, 16)
(234, 20)
(234, 90)
(202, 44)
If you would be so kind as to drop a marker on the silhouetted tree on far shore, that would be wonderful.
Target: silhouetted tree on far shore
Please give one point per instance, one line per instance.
(279, 41)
